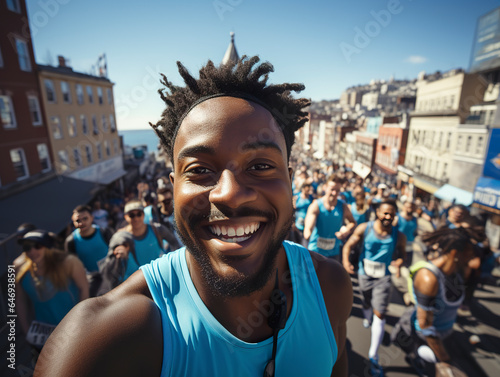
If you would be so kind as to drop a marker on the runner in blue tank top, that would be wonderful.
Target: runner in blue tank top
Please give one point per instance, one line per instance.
(88, 241)
(238, 300)
(438, 289)
(383, 245)
(325, 219)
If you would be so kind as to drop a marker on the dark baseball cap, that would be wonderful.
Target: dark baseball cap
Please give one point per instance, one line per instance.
(40, 236)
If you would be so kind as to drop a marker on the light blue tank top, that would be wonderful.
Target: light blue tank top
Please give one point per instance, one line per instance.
(444, 311)
(50, 304)
(90, 250)
(359, 217)
(196, 344)
(377, 248)
(408, 227)
(301, 206)
(323, 240)
(148, 214)
(146, 250)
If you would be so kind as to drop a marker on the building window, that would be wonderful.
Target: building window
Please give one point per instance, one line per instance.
(7, 112)
(88, 153)
(480, 145)
(99, 95)
(77, 157)
(85, 126)
(14, 6)
(50, 91)
(63, 160)
(79, 94)
(460, 142)
(43, 155)
(71, 126)
(115, 146)
(110, 97)
(448, 141)
(90, 94)
(55, 124)
(112, 122)
(445, 170)
(36, 114)
(65, 92)
(99, 151)
(95, 129)
(1, 59)
(19, 163)
(468, 144)
(108, 149)
(104, 124)
(23, 55)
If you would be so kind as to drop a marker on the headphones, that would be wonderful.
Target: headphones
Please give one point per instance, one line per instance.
(276, 321)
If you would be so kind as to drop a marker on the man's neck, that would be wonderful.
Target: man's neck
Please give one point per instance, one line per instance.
(381, 229)
(88, 232)
(139, 231)
(329, 203)
(238, 314)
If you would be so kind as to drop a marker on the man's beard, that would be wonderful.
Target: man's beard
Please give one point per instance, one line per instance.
(240, 285)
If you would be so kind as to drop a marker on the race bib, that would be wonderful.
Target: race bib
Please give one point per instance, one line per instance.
(39, 333)
(374, 269)
(326, 243)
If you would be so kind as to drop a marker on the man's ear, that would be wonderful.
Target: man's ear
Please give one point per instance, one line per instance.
(171, 176)
(290, 173)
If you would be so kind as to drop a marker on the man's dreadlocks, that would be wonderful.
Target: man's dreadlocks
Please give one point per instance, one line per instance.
(239, 79)
(446, 239)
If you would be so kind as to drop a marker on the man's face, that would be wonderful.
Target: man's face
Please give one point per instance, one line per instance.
(232, 189)
(82, 220)
(457, 214)
(166, 203)
(386, 214)
(331, 190)
(409, 207)
(135, 218)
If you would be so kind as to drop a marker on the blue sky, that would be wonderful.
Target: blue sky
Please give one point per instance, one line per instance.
(318, 43)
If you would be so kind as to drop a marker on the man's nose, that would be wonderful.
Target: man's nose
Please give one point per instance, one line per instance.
(231, 190)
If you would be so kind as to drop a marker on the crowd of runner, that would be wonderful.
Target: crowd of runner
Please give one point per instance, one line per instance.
(366, 225)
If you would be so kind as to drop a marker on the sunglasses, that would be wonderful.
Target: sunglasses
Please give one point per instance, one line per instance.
(27, 246)
(135, 214)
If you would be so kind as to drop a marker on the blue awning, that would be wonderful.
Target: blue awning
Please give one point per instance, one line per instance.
(451, 193)
(487, 193)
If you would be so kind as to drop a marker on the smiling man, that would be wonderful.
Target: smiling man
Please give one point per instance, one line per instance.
(237, 300)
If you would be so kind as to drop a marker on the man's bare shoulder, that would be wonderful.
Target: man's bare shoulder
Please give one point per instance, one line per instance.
(336, 287)
(116, 334)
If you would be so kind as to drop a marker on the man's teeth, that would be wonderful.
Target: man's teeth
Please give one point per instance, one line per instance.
(242, 232)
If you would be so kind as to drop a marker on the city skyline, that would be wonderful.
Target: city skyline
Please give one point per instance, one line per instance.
(328, 47)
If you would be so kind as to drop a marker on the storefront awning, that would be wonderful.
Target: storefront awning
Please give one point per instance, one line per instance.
(48, 205)
(487, 193)
(112, 177)
(454, 194)
(425, 185)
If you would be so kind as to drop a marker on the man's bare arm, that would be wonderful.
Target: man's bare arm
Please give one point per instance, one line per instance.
(310, 220)
(118, 334)
(337, 293)
(356, 237)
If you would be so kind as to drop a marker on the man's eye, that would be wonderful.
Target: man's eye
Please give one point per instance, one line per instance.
(198, 170)
(261, 167)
